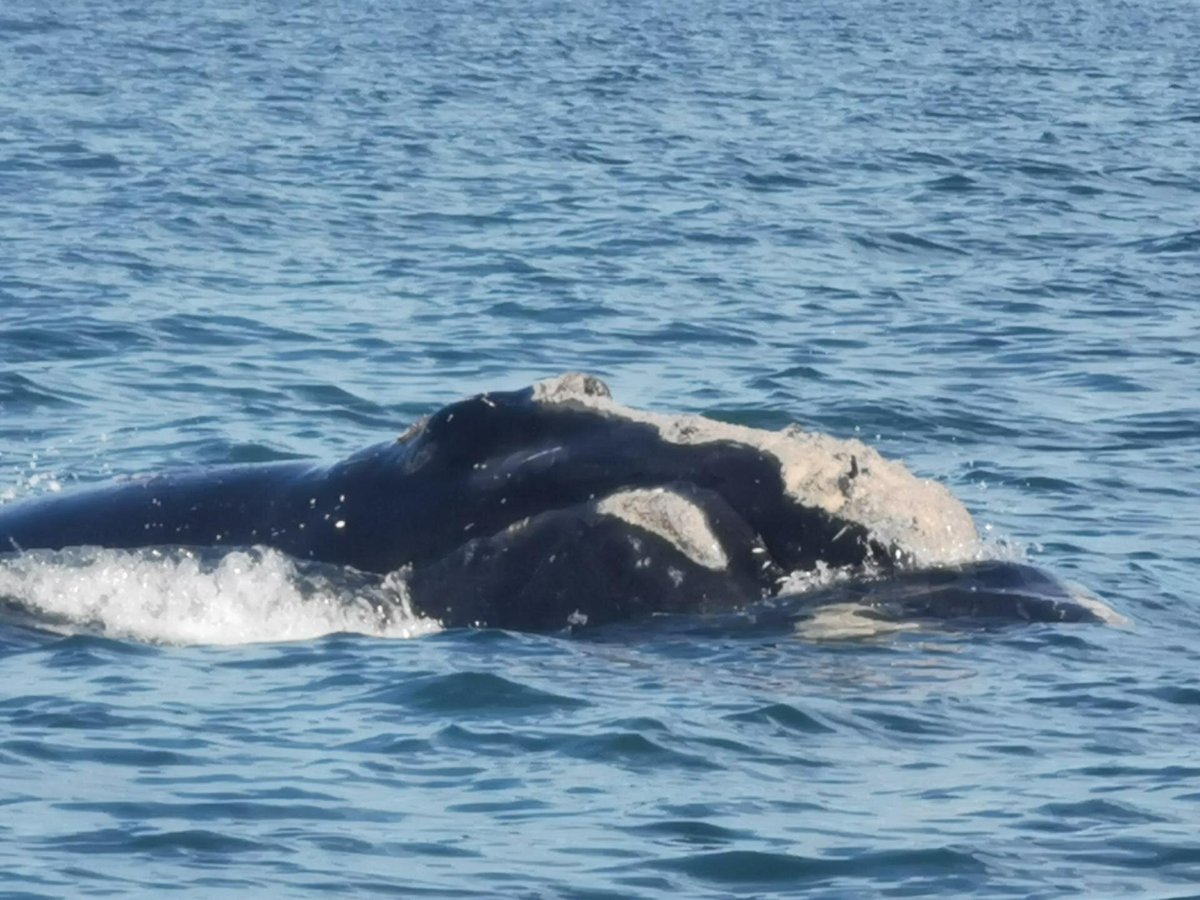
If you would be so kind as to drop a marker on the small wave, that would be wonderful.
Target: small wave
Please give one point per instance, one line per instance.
(759, 869)
(954, 184)
(192, 842)
(179, 596)
(783, 716)
(466, 692)
(44, 24)
(689, 831)
(1038, 168)
(1155, 428)
(19, 393)
(902, 242)
(775, 181)
(1180, 242)
(91, 162)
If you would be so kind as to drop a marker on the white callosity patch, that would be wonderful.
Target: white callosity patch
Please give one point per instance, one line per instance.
(673, 518)
(569, 387)
(176, 597)
(846, 478)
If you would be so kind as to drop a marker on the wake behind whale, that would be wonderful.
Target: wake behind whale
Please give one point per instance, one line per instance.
(554, 508)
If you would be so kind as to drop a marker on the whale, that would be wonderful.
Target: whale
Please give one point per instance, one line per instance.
(555, 508)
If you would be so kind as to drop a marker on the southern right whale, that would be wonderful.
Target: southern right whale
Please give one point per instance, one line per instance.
(555, 507)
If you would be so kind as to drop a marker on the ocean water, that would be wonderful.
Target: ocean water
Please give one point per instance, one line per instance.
(967, 234)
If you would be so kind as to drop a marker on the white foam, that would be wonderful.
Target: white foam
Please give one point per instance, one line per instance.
(178, 597)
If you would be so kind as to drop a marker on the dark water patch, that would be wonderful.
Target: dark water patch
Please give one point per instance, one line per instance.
(1084, 190)
(87, 651)
(591, 156)
(280, 657)
(964, 421)
(776, 379)
(784, 716)
(134, 757)
(215, 330)
(907, 724)
(493, 743)
(688, 333)
(954, 184)
(22, 163)
(1066, 641)
(776, 181)
(1175, 694)
(693, 832)
(389, 744)
(1045, 169)
(1180, 242)
(330, 396)
(246, 453)
(750, 416)
(352, 883)
(1169, 775)
(1096, 811)
(398, 267)
(1020, 750)
(229, 808)
(1086, 701)
(185, 199)
(500, 265)
(169, 50)
(1134, 853)
(340, 680)
(1107, 382)
(264, 793)
(870, 419)
(904, 242)
(96, 162)
(54, 714)
(620, 748)
(473, 692)
(563, 312)
(11, 26)
(192, 842)
(511, 810)
(924, 158)
(633, 750)
(1038, 484)
(21, 637)
(719, 239)
(750, 870)
(472, 220)
(439, 851)
(341, 844)
(1156, 428)
(17, 393)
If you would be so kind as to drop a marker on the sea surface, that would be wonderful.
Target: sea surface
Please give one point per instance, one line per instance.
(966, 233)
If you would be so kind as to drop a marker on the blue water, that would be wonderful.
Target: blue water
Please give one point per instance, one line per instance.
(968, 234)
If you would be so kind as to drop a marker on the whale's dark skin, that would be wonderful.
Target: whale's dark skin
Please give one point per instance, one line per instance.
(492, 504)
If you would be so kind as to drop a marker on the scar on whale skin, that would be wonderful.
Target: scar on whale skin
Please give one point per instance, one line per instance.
(555, 506)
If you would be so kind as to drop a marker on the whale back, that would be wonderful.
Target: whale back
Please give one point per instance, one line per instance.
(548, 507)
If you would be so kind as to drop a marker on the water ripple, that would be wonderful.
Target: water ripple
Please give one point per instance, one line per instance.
(964, 235)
